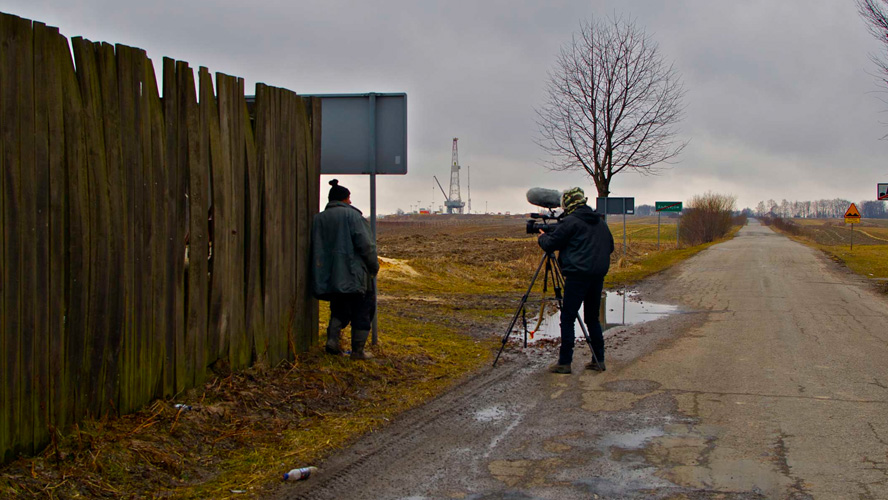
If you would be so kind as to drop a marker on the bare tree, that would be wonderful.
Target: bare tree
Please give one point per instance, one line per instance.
(613, 104)
(875, 13)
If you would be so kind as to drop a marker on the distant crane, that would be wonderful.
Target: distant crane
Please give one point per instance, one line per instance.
(454, 201)
(446, 199)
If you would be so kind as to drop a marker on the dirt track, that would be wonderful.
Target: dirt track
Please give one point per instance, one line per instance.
(771, 384)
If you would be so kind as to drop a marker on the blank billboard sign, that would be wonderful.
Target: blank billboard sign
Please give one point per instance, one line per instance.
(615, 206)
(364, 134)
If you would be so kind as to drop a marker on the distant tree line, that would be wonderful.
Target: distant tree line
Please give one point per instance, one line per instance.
(819, 209)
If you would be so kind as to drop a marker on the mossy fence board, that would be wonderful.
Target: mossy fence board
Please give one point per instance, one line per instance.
(144, 238)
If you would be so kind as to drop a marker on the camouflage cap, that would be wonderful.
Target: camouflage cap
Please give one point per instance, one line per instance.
(572, 199)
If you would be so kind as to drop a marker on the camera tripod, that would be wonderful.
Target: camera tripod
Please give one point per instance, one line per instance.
(553, 274)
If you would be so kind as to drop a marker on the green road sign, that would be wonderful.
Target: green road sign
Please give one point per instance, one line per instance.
(668, 206)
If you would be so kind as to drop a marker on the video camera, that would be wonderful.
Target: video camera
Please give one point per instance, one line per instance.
(534, 227)
(546, 198)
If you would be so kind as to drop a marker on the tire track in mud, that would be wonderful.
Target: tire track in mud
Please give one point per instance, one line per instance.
(344, 473)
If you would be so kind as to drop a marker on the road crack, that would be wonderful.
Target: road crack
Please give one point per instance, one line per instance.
(797, 488)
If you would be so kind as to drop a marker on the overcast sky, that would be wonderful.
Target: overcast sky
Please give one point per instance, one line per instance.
(781, 98)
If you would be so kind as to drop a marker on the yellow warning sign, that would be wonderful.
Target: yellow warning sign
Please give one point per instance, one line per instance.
(852, 215)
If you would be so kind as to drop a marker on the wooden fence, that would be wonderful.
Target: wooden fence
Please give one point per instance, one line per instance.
(142, 239)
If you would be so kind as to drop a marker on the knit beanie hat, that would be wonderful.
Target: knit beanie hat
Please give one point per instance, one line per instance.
(337, 192)
(572, 199)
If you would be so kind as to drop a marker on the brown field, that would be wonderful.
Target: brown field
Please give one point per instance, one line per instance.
(834, 232)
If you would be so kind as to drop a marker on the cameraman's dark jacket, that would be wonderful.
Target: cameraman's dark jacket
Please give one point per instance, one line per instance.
(343, 253)
(584, 243)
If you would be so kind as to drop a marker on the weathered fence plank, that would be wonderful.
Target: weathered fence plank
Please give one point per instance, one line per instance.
(116, 218)
(218, 319)
(230, 231)
(168, 223)
(302, 226)
(130, 177)
(27, 228)
(264, 350)
(199, 253)
(289, 219)
(196, 271)
(12, 294)
(314, 198)
(148, 110)
(88, 367)
(151, 353)
(184, 79)
(255, 323)
(56, 381)
(39, 191)
(266, 110)
(223, 210)
(6, 417)
(77, 284)
(242, 355)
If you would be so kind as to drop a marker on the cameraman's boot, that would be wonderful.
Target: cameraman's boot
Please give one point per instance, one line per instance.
(359, 339)
(334, 329)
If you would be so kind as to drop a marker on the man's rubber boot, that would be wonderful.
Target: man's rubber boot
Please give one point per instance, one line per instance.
(333, 331)
(359, 339)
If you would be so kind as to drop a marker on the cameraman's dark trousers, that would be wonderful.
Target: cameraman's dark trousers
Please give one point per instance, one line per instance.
(586, 292)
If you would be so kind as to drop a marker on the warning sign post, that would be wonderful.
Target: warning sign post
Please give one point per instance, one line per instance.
(852, 216)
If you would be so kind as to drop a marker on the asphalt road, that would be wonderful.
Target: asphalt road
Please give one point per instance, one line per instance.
(771, 383)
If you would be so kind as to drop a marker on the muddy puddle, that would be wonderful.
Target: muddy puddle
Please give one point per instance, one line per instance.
(618, 308)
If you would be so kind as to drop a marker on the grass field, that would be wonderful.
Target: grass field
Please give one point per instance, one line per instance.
(446, 288)
(869, 257)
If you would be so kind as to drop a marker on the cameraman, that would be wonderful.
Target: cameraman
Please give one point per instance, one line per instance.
(584, 244)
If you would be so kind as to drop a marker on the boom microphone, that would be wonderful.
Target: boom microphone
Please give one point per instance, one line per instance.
(542, 197)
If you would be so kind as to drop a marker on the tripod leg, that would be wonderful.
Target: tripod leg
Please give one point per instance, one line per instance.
(519, 309)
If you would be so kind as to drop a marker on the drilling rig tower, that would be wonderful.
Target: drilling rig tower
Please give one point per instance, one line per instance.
(454, 202)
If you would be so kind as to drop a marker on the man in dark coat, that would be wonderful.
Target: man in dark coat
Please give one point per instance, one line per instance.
(584, 244)
(344, 264)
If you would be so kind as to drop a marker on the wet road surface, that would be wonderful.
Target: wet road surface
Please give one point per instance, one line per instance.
(772, 382)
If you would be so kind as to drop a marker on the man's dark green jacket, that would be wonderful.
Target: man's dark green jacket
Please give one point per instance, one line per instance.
(343, 252)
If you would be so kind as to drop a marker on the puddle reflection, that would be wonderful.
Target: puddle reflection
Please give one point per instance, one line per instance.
(617, 308)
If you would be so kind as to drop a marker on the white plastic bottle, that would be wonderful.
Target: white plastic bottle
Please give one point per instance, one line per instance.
(300, 473)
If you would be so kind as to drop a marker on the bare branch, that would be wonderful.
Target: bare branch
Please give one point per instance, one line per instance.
(612, 104)
(875, 13)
